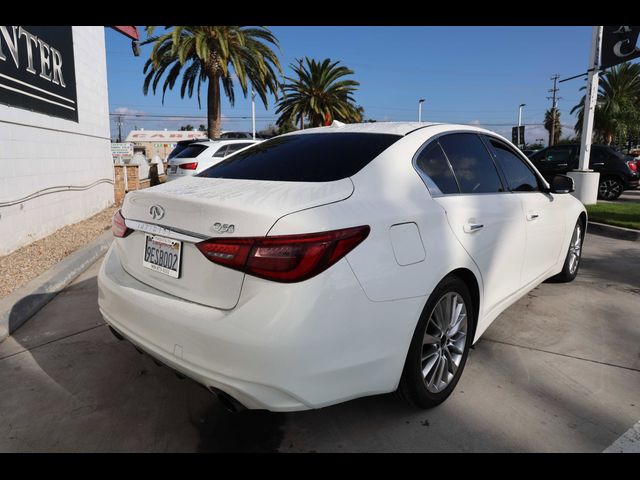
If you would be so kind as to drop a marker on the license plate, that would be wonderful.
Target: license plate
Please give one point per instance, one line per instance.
(162, 254)
(173, 168)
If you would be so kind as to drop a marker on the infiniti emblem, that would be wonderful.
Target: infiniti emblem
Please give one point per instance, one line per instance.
(156, 212)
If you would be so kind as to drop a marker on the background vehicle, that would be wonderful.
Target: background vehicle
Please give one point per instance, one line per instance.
(617, 171)
(199, 155)
(180, 146)
(528, 152)
(337, 262)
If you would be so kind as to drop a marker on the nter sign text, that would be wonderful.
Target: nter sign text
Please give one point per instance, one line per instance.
(37, 70)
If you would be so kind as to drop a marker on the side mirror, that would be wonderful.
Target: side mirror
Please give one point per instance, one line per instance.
(562, 184)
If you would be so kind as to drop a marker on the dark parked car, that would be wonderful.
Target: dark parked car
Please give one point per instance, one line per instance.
(618, 172)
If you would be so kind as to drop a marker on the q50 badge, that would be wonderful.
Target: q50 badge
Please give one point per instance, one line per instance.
(223, 227)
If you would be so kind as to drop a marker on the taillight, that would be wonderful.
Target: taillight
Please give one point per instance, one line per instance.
(188, 166)
(285, 258)
(632, 165)
(118, 227)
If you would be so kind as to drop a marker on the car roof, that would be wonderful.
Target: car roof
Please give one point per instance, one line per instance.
(393, 128)
(227, 141)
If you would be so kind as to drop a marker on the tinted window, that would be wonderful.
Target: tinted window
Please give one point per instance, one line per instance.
(435, 165)
(192, 151)
(176, 151)
(471, 163)
(221, 152)
(519, 176)
(311, 157)
(237, 146)
(539, 155)
(559, 155)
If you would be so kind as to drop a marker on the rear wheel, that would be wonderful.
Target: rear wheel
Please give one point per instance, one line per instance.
(610, 188)
(439, 346)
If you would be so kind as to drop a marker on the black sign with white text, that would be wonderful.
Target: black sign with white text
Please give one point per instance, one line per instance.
(619, 44)
(37, 70)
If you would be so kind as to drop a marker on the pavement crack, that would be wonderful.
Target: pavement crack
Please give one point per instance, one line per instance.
(53, 341)
(561, 354)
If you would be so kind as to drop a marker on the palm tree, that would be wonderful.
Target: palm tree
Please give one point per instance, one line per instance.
(617, 111)
(217, 55)
(319, 93)
(552, 122)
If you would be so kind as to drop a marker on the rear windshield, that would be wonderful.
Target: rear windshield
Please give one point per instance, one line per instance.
(192, 151)
(312, 157)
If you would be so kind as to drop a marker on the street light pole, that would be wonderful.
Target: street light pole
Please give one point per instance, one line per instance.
(420, 102)
(253, 112)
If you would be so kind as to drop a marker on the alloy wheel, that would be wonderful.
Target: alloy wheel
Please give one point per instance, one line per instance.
(609, 189)
(444, 341)
(575, 249)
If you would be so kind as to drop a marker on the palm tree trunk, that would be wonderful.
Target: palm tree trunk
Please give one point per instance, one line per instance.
(213, 107)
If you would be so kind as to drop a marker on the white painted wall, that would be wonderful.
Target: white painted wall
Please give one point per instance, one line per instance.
(38, 151)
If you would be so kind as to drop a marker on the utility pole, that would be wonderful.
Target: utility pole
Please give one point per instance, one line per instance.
(119, 124)
(554, 100)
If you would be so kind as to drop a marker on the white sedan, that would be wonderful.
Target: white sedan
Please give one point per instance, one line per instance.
(337, 262)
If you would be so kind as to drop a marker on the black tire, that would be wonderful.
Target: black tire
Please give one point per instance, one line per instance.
(610, 188)
(569, 270)
(413, 385)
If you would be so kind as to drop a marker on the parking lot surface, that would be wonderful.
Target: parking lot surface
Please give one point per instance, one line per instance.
(559, 371)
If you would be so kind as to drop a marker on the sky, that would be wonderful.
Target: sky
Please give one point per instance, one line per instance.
(477, 75)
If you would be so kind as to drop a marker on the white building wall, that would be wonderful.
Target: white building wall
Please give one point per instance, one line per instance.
(38, 151)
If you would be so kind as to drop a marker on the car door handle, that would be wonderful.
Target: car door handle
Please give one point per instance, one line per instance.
(598, 164)
(562, 164)
(472, 227)
(532, 216)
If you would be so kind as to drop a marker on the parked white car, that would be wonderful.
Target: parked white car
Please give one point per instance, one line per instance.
(337, 262)
(200, 155)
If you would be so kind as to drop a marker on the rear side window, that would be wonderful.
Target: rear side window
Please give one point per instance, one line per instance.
(471, 163)
(519, 176)
(311, 157)
(236, 146)
(434, 164)
(221, 152)
(191, 151)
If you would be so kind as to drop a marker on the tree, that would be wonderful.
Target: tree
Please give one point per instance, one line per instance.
(215, 55)
(617, 114)
(186, 128)
(202, 128)
(552, 122)
(319, 93)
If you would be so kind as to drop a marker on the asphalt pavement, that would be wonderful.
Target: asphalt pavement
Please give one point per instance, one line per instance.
(559, 371)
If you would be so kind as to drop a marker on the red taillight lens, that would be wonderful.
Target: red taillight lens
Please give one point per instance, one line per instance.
(118, 227)
(189, 166)
(633, 166)
(286, 258)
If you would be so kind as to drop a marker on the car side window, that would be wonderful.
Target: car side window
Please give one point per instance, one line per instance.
(235, 147)
(559, 155)
(221, 152)
(471, 163)
(434, 164)
(519, 176)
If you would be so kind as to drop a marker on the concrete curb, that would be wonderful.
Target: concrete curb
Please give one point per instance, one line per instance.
(613, 232)
(22, 304)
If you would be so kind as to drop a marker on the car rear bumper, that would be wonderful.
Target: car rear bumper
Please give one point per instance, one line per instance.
(284, 347)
